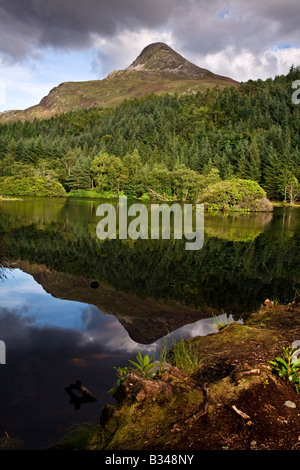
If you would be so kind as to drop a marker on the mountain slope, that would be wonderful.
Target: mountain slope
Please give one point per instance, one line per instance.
(157, 69)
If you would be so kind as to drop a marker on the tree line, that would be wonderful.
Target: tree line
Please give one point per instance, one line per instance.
(174, 146)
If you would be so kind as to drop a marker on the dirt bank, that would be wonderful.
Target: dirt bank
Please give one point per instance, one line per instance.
(232, 400)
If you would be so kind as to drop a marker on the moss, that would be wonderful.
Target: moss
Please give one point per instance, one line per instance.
(233, 339)
(276, 317)
(138, 425)
(133, 424)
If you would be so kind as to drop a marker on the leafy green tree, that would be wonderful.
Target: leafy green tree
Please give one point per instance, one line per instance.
(7, 166)
(69, 161)
(212, 177)
(108, 173)
(99, 171)
(159, 180)
(287, 184)
(293, 190)
(134, 177)
(185, 184)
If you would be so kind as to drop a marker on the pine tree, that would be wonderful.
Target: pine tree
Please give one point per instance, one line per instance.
(272, 169)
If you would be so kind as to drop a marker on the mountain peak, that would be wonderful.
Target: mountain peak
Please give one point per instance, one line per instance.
(159, 57)
(158, 69)
(152, 48)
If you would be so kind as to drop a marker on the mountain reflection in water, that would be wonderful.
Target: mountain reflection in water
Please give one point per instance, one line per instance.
(33, 308)
(245, 258)
(58, 329)
(51, 343)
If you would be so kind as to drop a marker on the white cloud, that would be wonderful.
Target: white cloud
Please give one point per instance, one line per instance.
(243, 40)
(243, 64)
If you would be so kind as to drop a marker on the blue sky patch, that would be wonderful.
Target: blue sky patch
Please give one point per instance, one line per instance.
(223, 14)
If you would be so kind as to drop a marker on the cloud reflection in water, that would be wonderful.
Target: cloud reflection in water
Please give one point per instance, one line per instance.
(51, 343)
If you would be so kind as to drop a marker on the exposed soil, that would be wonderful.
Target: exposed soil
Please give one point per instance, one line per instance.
(233, 401)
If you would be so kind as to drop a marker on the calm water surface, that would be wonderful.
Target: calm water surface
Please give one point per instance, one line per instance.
(58, 329)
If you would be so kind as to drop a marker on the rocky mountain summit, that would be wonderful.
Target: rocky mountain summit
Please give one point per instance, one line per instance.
(158, 69)
(159, 57)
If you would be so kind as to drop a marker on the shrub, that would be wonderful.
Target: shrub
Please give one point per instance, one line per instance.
(31, 186)
(237, 194)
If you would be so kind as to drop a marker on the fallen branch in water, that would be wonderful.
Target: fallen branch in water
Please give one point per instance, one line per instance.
(159, 196)
(87, 396)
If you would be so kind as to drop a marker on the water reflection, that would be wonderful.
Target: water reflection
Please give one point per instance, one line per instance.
(25, 299)
(51, 343)
(58, 329)
(3, 261)
(245, 258)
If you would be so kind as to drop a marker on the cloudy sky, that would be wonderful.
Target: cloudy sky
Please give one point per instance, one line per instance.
(46, 42)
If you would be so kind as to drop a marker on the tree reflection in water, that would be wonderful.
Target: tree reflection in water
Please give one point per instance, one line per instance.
(3, 260)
